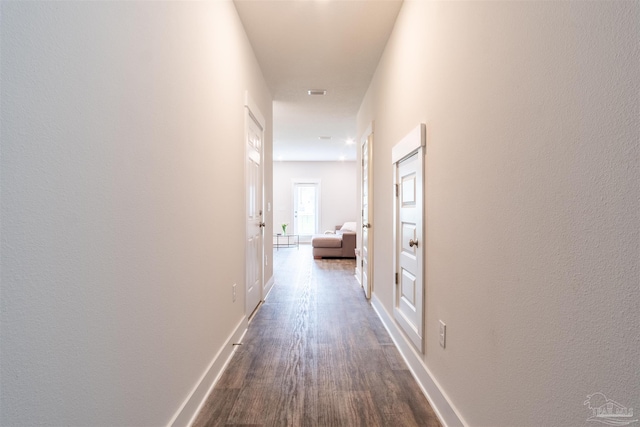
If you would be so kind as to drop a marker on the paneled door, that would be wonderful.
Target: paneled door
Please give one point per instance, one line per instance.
(365, 250)
(255, 223)
(409, 246)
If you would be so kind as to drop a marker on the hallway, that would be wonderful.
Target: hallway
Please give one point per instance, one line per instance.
(316, 354)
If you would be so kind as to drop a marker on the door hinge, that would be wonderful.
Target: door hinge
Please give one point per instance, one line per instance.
(361, 263)
(397, 190)
(396, 278)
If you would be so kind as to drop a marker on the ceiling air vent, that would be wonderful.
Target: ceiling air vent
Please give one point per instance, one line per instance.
(324, 137)
(319, 92)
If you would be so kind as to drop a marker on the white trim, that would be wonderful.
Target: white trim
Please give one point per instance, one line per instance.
(254, 110)
(368, 131)
(267, 288)
(412, 141)
(358, 270)
(186, 415)
(439, 401)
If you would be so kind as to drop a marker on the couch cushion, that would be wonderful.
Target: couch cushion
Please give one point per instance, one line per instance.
(326, 241)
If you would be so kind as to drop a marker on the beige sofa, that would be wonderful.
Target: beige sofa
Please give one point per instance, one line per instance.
(339, 244)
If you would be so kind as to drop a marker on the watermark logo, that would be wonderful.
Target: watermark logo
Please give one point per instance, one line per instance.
(607, 411)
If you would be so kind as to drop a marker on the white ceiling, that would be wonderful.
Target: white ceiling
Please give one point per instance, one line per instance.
(317, 44)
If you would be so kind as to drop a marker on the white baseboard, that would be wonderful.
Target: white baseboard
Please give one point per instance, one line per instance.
(357, 274)
(441, 405)
(268, 287)
(187, 413)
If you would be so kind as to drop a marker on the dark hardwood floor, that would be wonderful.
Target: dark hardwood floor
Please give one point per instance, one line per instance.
(316, 354)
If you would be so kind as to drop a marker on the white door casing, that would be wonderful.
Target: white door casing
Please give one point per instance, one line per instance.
(366, 254)
(254, 131)
(409, 245)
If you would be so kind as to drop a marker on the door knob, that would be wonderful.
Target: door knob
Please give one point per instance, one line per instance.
(262, 224)
(366, 225)
(413, 243)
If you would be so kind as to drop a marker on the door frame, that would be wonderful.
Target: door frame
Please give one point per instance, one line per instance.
(414, 142)
(252, 112)
(367, 137)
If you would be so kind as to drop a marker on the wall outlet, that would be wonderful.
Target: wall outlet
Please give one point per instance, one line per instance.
(266, 260)
(443, 334)
(234, 292)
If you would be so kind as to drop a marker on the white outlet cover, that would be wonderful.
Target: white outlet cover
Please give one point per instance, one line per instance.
(443, 334)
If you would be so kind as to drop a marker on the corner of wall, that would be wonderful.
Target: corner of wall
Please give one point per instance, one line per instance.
(190, 408)
(441, 404)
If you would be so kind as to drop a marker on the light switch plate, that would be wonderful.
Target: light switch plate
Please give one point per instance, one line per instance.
(443, 334)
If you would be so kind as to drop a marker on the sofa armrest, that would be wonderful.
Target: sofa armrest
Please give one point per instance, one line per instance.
(349, 244)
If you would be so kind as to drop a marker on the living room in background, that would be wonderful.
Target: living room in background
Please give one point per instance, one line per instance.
(338, 199)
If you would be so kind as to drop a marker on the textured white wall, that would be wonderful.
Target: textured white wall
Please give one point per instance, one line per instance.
(532, 116)
(338, 185)
(122, 198)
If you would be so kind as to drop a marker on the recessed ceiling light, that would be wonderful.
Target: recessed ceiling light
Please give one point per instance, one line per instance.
(317, 92)
(342, 158)
(324, 137)
(349, 141)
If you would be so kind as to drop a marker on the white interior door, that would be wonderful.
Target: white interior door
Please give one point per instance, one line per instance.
(365, 252)
(409, 245)
(306, 208)
(255, 223)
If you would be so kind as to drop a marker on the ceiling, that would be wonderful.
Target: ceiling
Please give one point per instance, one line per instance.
(334, 45)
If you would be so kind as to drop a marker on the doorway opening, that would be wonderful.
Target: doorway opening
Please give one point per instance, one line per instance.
(306, 208)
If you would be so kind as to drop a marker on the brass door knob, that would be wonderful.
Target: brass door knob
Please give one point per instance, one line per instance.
(413, 243)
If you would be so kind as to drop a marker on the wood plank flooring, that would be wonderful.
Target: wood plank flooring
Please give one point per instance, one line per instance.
(316, 354)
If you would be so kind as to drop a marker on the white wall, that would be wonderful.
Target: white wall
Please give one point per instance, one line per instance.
(122, 200)
(338, 185)
(532, 199)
